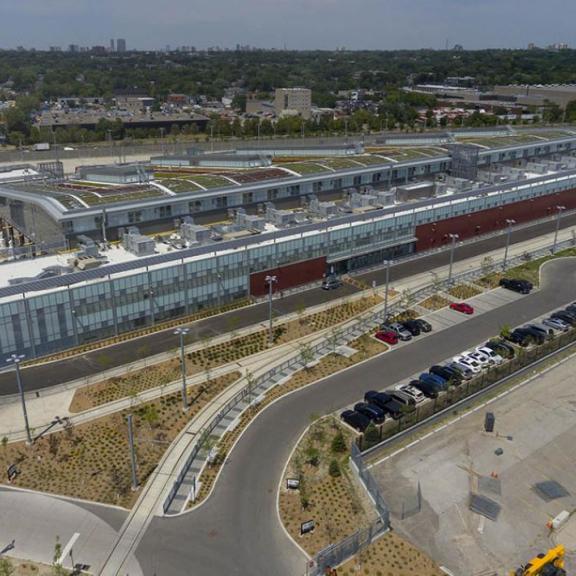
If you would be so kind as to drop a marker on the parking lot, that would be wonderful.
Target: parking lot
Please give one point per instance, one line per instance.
(429, 485)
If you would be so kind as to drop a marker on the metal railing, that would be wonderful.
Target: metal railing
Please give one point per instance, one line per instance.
(363, 324)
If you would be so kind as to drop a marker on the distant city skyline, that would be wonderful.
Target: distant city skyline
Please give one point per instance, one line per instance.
(294, 24)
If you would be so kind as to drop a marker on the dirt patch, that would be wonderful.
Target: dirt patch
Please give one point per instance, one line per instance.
(16, 567)
(210, 357)
(390, 555)
(327, 493)
(435, 302)
(92, 461)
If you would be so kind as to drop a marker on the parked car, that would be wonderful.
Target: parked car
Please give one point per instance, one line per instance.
(517, 285)
(412, 391)
(462, 307)
(539, 335)
(424, 325)
(451, 376)
(412, 327)
(399, 330)
(377, 415)
(556, 324)
(428, 389)
(485, 360)
(521, 337)
(435, 380)
(495, 357)
(547, 332)
(467, 374)
(355, 419)
(501, 347)
(469, 363)
(387, 336)
(386, 402)
(331, 283)
(405, 399)
(565, 316)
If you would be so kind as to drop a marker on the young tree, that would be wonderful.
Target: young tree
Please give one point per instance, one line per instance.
(334, 469)
(339, 443)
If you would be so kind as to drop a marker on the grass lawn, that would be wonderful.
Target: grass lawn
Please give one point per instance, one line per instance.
(304, 168)
(210, 181)
(530, 270)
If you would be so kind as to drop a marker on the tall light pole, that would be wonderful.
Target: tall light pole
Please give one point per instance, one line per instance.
(133, 465)
(387, 262)
(270, 280)
(558, 215)
(508, 234)
(16, 359)
(453, 238)
(181, 332)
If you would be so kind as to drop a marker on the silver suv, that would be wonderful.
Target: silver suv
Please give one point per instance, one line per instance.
(399, 330)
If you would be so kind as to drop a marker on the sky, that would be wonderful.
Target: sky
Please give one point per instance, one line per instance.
(295, 24)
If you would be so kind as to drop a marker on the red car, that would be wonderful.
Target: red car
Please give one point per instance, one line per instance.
(462, 307)
(387, 336)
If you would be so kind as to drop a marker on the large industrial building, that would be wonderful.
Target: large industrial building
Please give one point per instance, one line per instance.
(359, 211)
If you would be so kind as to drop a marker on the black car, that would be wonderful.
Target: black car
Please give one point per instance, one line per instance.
(548, 333)
(522, 337)
(449, 374)
(500, 347)
(376, 414)
(428, 390)
(565, 316)
(331, 283)
(424, 326)
(355, 419)
(517, 285)
(412, 327)
(540, 336)
(386, 402)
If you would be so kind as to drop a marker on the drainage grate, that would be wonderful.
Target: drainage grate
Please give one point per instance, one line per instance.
(489, 485)
(550, 490)
(484, 506)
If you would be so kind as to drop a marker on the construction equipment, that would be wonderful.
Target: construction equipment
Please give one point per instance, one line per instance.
(549, 564)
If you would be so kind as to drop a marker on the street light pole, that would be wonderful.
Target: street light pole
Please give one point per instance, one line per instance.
(270, 280)
(508, 235)
(453, 238)
(558, 215)
(132, 452)
(387, 262)
(16, 359)
(181, 332)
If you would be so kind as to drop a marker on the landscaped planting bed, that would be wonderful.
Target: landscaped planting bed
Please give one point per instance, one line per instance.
(366, 347)
(464, 291)
(92, 461)
(435, 302)
(390, 555)
(327, 493)
(210, 357)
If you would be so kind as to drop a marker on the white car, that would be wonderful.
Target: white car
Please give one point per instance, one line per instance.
(469, 363)
(412, 392)
(496, 358)
(482, 359)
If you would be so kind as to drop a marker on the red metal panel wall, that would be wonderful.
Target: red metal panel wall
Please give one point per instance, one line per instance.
(436, 234)
(288, 276)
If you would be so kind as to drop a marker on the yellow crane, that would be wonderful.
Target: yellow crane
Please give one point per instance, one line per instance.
(549, 564)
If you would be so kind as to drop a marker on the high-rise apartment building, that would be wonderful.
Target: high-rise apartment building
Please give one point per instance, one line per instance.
(112, 45)
(120, 45)
(293, 101)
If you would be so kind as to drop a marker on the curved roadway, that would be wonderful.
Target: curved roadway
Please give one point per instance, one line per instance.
(237, 531)
(45, 376)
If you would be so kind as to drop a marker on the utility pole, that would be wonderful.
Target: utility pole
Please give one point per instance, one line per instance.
(132, 452)
(558, 216)
(387, 262)
(270, 280)
(16, 359)
(508, 235)
(181, 332)
(453, 238)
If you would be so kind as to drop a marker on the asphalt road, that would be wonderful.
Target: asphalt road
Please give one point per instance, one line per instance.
(237, 532)
(44, 376)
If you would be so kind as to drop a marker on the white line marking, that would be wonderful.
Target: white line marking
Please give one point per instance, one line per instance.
(68, 549)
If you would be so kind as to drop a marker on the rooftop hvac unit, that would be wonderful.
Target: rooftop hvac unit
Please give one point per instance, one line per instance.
(195, 233)
(137, 244)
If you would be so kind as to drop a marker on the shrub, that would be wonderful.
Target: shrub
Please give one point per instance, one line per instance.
(371, 435)
(334, 469)
(313, 455)
(339, 443)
